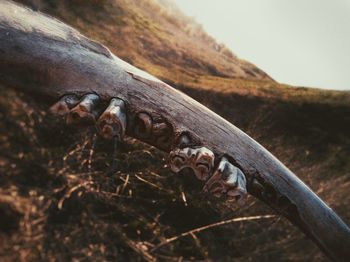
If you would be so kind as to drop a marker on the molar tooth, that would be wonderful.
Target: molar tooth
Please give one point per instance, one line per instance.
(112, 122)
(178, 160)
(203, 163)
(85, 110)
(201, 160)
(63, 106)
(231, 180)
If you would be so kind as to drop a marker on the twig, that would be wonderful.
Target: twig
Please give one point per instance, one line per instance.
(183, 196)
(70, 192)
(152, 184)
(125, 184)
(92, 149)
(199, 229)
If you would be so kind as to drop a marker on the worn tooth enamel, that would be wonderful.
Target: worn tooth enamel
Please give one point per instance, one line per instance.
(228, 180)
(178, 160)
(239, 192)
(201, 160)
(63, 106)
(112, 122)
(203, 163)
(85, 110)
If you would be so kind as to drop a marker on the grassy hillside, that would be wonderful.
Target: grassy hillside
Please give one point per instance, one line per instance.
(63, 196)
(135, 29)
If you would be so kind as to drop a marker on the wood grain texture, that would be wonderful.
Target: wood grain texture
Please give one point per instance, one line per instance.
(42, 56)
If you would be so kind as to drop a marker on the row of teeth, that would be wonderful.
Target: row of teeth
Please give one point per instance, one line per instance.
(111, 123)
(225, 180)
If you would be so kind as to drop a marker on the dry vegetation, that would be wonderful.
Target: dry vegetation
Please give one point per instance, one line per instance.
(70, 195)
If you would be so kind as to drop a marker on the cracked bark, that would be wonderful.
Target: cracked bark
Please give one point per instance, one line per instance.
(44, 57)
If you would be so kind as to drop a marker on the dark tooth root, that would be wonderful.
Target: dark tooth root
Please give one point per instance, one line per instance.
(85, 112)
(112, 122)
(63, 106)
(143, 125)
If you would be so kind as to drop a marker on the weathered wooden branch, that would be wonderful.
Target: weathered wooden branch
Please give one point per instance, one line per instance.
(43, 56)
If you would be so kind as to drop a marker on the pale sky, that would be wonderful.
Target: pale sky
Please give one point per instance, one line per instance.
(297, 42)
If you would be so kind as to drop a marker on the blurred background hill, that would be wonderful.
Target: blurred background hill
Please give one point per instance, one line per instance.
(63, 197)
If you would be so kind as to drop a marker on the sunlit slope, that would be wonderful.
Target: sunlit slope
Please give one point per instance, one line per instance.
(157, 37)
(152, 36)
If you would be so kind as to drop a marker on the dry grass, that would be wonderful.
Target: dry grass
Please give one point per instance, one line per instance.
(63, 196)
